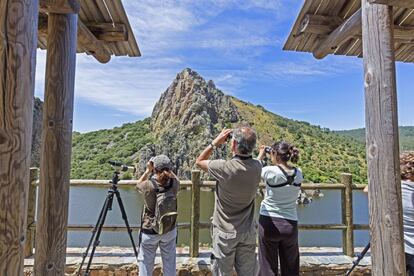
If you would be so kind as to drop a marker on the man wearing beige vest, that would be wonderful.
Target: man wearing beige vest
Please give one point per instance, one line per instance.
(233, 230)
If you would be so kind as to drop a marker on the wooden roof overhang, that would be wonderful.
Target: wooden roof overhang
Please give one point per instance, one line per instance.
(334, 27)
(103, 28)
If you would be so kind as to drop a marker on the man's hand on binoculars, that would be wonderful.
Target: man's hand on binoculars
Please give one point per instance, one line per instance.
(222, 137)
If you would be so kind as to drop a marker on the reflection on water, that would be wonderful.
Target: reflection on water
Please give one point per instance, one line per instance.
(86, 202)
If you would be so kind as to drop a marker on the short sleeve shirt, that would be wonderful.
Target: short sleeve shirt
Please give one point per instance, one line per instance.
(237, 182)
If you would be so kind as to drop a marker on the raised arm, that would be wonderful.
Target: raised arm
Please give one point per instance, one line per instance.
(202, 160)
(146, 175)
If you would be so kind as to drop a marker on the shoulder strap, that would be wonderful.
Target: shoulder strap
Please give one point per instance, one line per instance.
(290, 179)
(162, 190)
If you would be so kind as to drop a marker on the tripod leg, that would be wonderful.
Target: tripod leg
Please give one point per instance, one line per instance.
(104, 207)
(110, 197)
(124, 216)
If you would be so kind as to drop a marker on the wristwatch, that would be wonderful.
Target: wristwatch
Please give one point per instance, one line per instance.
(213, 146)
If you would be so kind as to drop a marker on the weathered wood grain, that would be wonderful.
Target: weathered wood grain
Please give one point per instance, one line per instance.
(396, 3)
(324, 25)
(59, 6)
(85, 39)
(51, 233)
(348, 29)
(31, 212)
(195, 214)
(91, 44)
(319, 24)
(382, 141)
(110, 32)
(347, 215)
(18, 42)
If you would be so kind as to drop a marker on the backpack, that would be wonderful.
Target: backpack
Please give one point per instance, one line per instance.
(165, 208)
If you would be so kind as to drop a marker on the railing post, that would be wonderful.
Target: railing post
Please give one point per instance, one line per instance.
(347, 215)
(31, 210)
(195, 214)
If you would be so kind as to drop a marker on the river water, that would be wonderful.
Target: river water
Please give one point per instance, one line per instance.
(86, 202)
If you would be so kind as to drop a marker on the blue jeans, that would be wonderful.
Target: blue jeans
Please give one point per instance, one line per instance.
(148, 249)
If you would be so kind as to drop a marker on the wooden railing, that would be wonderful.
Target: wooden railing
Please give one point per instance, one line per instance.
(195, 184)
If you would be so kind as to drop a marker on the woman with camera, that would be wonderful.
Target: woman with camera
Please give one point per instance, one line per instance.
(160, 187)
(278, 226)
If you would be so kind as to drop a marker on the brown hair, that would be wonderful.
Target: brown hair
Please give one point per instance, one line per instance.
(286, 152)
(407, 165)
(163, 176)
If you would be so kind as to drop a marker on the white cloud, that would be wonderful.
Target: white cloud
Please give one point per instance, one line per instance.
(176, 34)
(122, 84)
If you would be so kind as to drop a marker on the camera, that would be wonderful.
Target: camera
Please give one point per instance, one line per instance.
(119, 167)
(229, 137)
(268, 150)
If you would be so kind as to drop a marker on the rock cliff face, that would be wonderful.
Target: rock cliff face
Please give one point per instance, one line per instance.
(189, 114)
(37, 132)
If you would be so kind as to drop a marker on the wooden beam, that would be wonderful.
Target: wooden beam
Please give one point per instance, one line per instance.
(319, 24)
(51, 233)
(86, 40)
(387, 240)
(18, 43)
(397, 3)
(348, 29)
(59, 6)
(110, 32)
(91, 44)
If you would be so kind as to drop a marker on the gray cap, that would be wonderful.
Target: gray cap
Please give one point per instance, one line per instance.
(161, 162)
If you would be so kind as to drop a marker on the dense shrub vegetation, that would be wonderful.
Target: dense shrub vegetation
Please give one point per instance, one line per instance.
(406, 136)
(92, 150)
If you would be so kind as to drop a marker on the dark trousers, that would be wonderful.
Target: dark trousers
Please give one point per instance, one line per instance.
(278, 239)
(409, 259)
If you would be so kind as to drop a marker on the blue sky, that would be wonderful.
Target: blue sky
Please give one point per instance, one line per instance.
(236, 43)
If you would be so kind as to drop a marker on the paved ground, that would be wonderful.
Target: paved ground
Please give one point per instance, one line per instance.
(118, 256)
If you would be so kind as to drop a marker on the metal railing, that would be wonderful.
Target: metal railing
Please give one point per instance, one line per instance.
(195, 184)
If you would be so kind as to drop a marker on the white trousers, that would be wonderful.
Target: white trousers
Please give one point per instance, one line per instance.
(148, 249)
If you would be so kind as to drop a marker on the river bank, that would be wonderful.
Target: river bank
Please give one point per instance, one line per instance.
(120, 261)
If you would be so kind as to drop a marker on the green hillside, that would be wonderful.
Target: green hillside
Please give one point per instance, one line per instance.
(91, 151)
(406, 136)
(324, 154)
(189, 114)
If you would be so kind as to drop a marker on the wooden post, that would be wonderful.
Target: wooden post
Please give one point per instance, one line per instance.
(387, 242)
(347, 215)
(195, 214)
(51, 232)
(18, 43)
(31, 211)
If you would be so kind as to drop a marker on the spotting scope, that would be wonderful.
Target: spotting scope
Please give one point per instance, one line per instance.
(119, 167)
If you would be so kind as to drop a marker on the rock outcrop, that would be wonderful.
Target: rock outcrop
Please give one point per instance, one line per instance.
(189, 114)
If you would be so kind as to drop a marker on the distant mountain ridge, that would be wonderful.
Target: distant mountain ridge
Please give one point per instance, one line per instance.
(190, 113)
(406, 136)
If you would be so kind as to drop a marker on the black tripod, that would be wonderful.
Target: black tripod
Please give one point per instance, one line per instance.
(96, 232)
(359, 258)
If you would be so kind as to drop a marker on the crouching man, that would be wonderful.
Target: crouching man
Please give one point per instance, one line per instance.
(233, 230)
(159, 186)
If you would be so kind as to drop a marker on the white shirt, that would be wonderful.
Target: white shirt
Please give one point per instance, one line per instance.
(407, 191)
(280, 202)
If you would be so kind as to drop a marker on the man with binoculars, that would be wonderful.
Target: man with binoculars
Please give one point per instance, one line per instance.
(233, 226)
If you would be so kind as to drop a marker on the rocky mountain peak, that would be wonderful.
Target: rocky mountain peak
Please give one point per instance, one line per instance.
(187, 117)
(192, 102)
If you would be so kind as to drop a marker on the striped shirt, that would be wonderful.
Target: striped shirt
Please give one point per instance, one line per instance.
(407, 190)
